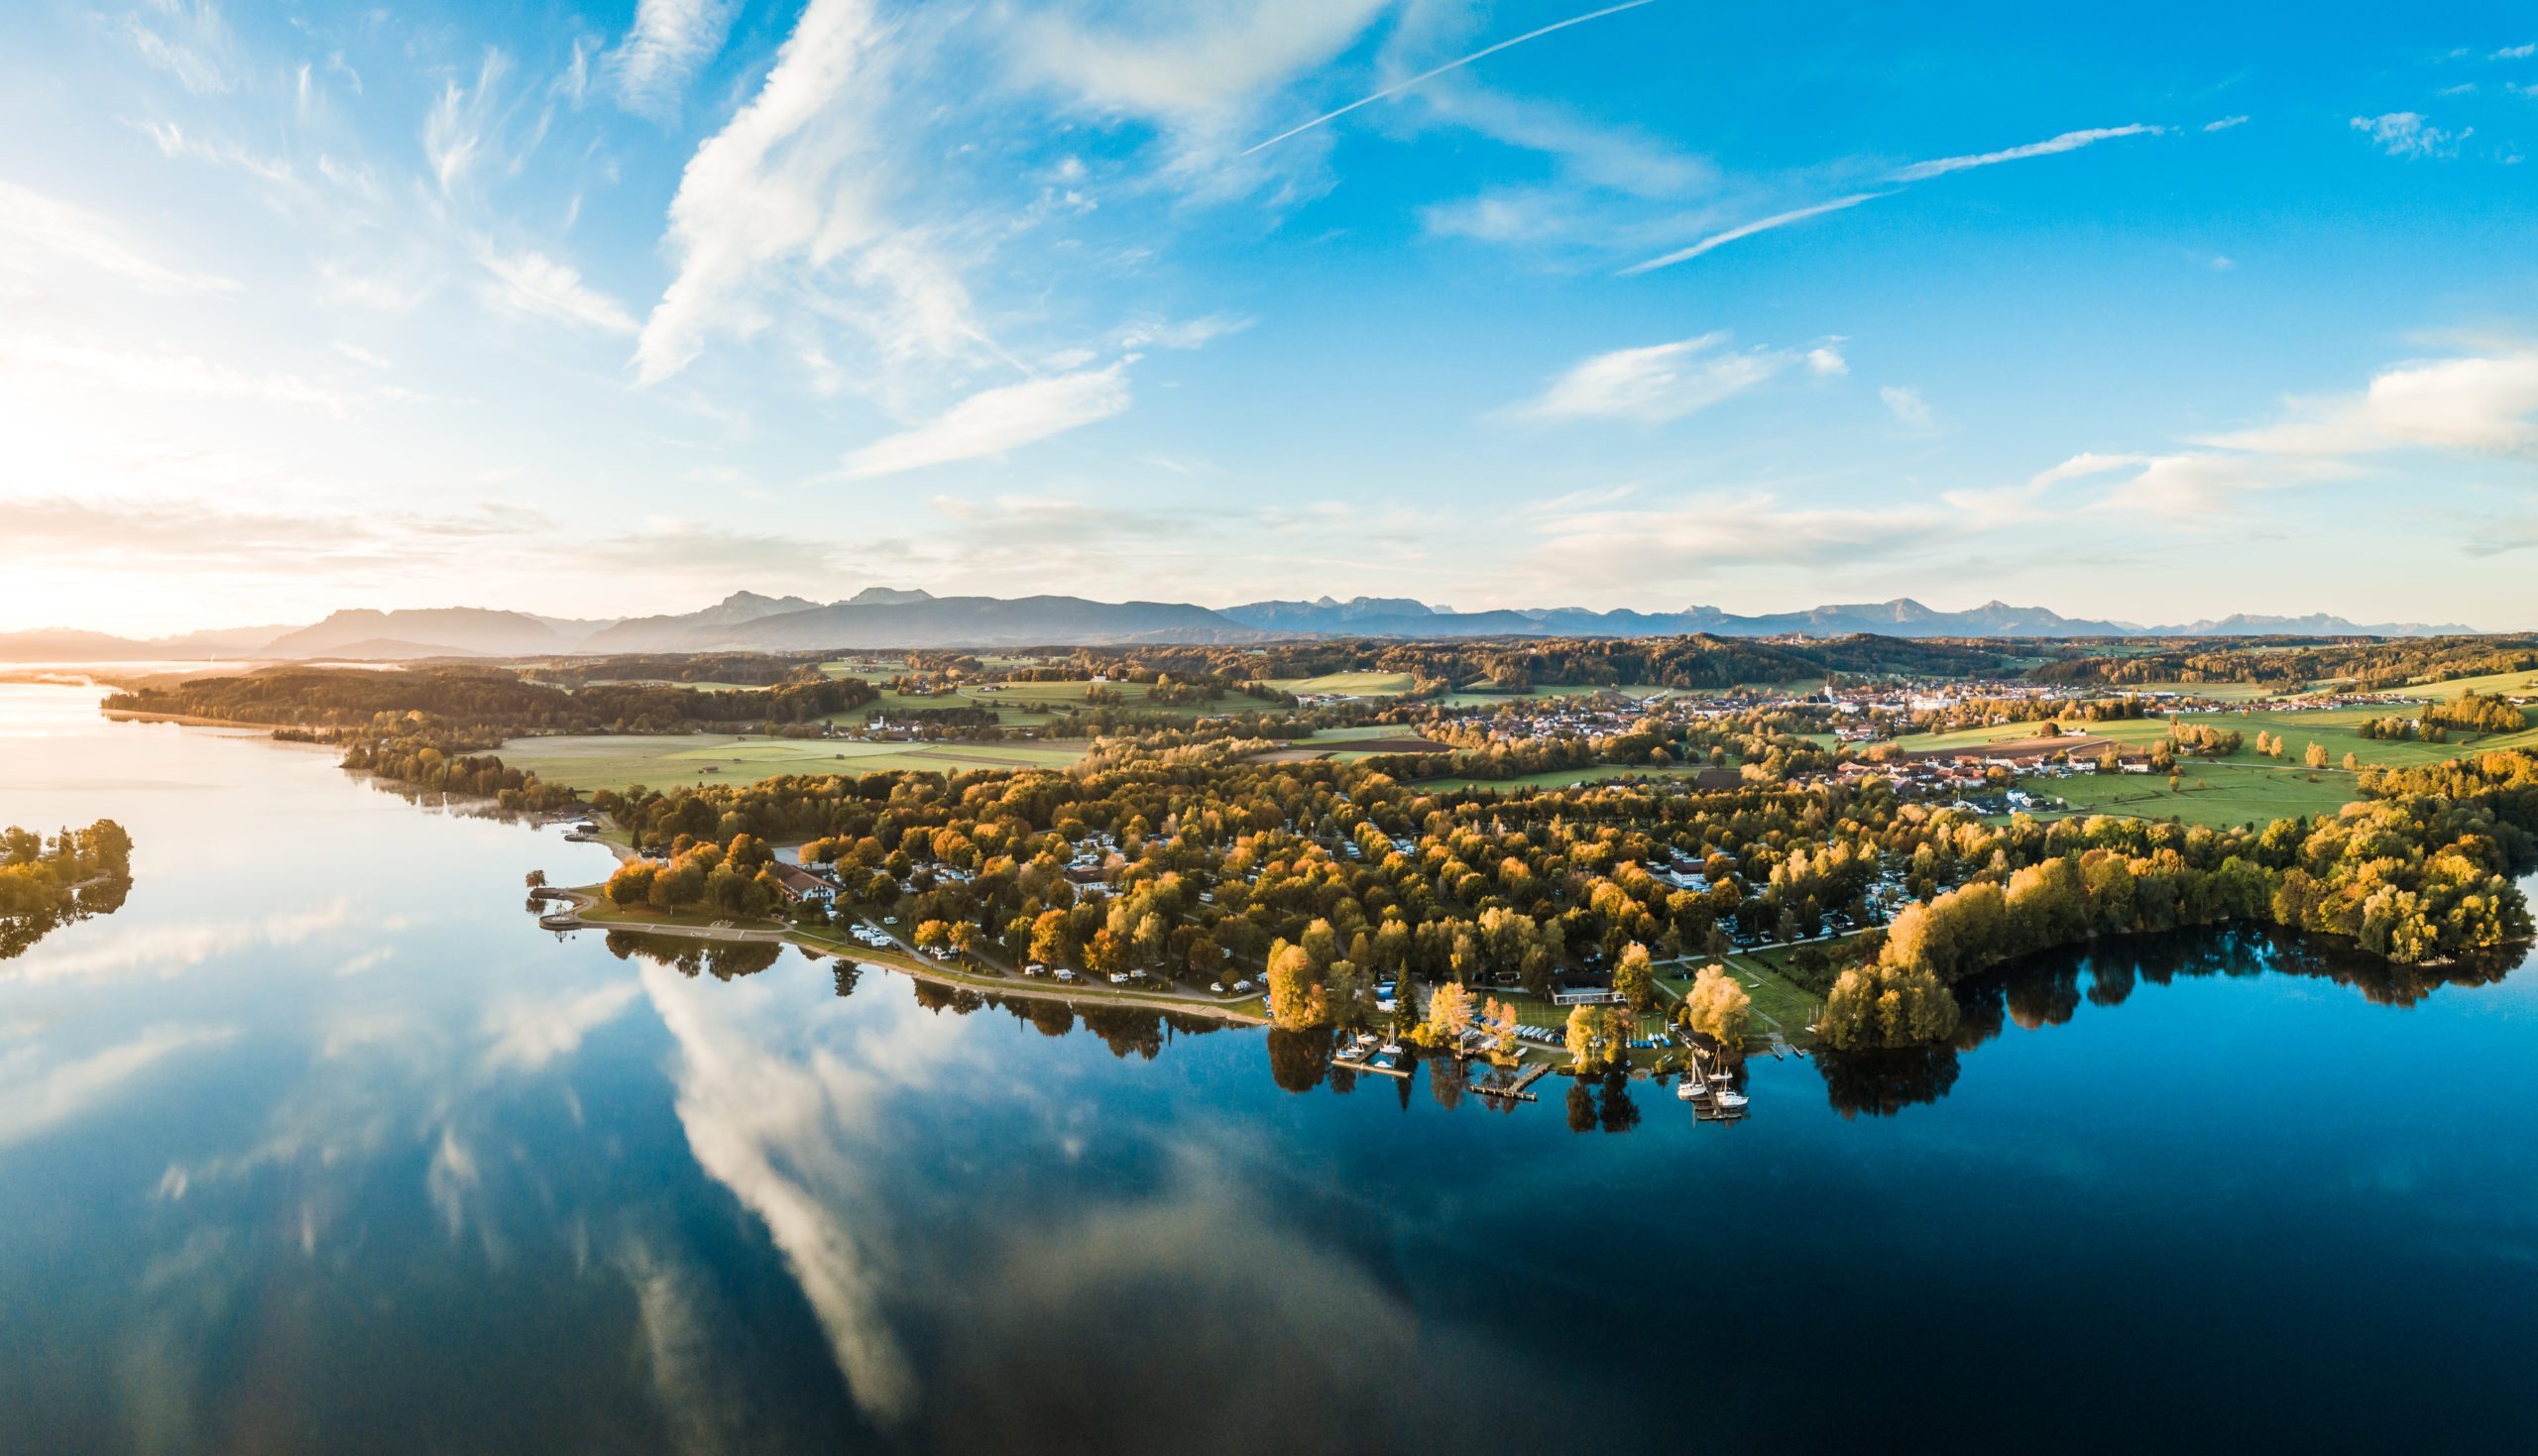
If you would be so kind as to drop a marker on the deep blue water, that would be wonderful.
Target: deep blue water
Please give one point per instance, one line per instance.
(318, 1144)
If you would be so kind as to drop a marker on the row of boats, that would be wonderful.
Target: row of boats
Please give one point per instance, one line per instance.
(1710, 1088)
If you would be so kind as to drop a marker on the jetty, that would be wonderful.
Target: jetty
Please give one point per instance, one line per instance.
(1515, 1092)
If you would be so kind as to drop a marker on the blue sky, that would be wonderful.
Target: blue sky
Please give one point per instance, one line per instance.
(2152, 314)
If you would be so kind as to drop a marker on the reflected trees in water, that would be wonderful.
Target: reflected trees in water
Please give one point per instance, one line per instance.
(2051, 990)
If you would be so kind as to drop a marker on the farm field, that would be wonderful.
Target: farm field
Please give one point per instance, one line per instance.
(2509, 684)
(662, 682)
(1014, 701)
(1473, 698)
(1348, 684)
(2218, 795)
(1560, 778)
(2335, 728)
(2132, 730)
(2220, 692)
(604, 761)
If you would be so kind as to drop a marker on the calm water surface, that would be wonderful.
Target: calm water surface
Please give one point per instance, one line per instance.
(318, 1144)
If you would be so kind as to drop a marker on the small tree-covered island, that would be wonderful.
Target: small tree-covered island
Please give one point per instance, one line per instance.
(50, 880)
(1592, 856)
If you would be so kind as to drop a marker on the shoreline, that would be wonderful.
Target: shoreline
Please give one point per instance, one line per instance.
(909, 965)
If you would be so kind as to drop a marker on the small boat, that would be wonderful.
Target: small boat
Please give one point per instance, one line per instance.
(1730, 1101)
(1689, 1090)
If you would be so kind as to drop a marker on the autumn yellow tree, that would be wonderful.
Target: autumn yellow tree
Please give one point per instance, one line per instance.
(1295, 995)
(1718, 1006)
(1448, 1015)
(1498, 1019)
(1635, 978)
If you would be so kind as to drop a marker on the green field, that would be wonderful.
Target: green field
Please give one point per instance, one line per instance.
(662, 682)
(1777, 1002)
(2335, 729)
(1350, 684)
(1020, 704)
(1560, 778)
(2509, 684)
(2138, 730)
(2218, 692)
(601, 761)
(2220, 795)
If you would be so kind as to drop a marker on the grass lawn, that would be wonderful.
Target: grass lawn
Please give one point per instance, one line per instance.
(2220, 794)
(1777, 1002)
(601, 761)
(1531, 1011)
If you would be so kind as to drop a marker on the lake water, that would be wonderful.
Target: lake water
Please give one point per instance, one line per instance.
(320, 1144)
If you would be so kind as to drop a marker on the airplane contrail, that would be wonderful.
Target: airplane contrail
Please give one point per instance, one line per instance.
(1425, 75)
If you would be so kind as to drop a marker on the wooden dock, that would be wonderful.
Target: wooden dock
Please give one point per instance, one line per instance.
(1515, 1092)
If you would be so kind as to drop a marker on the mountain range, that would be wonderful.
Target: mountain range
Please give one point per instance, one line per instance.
(883, 616)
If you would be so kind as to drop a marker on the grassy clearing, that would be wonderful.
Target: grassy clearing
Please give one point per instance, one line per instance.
(2138, 730)
(2335, 729)
(1020, 704)
(662, 682)
(2219, 691)
(600, 761)
(1560, 778)
(1350, 684)
(1777, 1002)
(2219, 794)
(2509, 684)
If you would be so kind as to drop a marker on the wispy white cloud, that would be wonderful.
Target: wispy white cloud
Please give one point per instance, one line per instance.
(993, 421)
(34, 227)
(1827, 362)
(2407, 134)
(793, 186)
(1195, 63)
(172, 142)
(1906, 405)
(2518, 53)
(1161, 333)
(1747, 230)
(1657, 383)
(461, 131)
(187, 40)
(157, 372)
(2225, 123)
(2477, 406)
(533, 284)
(1696, 539)
(668, 42)
(2483, 405)
(2050, 145)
